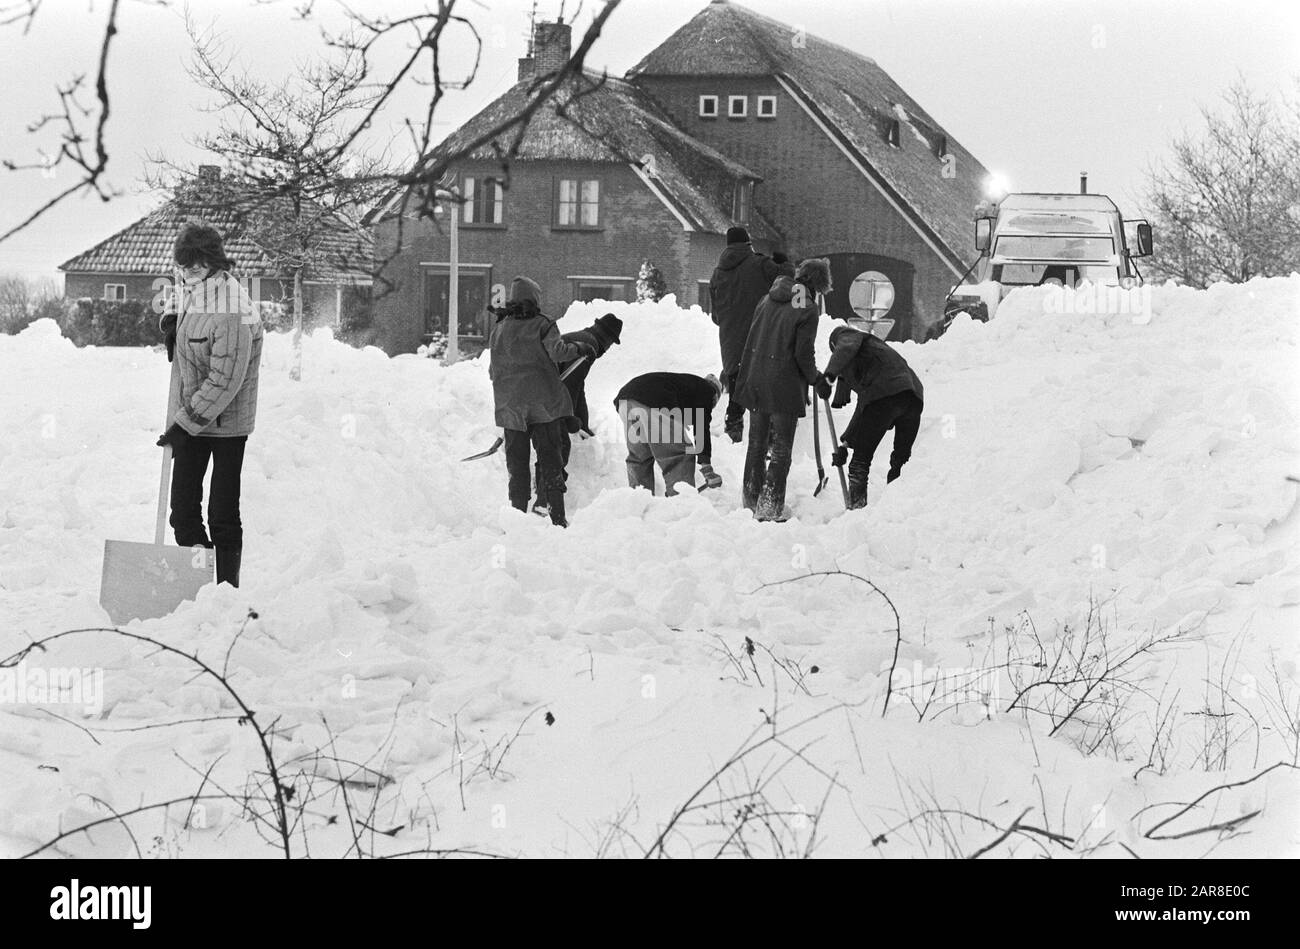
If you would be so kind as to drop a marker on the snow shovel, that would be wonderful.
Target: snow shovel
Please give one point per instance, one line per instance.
(145, 581)
(817, 450)
(835, 440)
(497, 444)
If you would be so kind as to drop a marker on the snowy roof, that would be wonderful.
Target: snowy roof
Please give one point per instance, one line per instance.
(854, 97)
(346, 251)
(603, 119)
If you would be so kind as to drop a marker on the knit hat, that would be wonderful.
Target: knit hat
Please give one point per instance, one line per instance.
(737, 235)
(522, 290)
(610, 326)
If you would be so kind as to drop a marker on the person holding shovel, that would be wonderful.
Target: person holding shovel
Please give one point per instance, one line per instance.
(532, 404)
(214, 343)
(890, 395)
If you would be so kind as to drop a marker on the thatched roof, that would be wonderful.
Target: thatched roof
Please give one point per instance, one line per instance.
(603, 119)
(342, 252)
(852, 95)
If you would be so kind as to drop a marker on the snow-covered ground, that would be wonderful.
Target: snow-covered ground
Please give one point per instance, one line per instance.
(531, 691)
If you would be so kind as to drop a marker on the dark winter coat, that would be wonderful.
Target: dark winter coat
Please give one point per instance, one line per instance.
(526, 350)
(777, 365)
(676, 390)
(576, 381)
(739, 282)
(869, 366)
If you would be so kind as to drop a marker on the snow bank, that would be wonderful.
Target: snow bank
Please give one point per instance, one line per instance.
(1061, 457)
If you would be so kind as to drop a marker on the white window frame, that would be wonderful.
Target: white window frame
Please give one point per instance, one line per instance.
(470, 184)
(769, 101)
(578, 204)
(115, 299)
(710, 100)
(731, 107)
(742, 202)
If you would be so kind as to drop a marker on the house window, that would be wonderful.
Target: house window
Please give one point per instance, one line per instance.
(737, 107)
(767, 107)
(704, 293)
(892, 133)
(586, 289)
(742, 200)
(472, 297)
(708, 107)
(484, 201)
(115, 292)
(577, 202)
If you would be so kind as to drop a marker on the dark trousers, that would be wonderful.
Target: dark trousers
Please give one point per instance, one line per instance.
(546, 439)
(566, 447)
(767, 463)
(189, 465)
(734, 420)
(902, 413)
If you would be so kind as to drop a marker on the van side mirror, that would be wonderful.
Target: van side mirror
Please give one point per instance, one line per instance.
(983, 234)
(1145, 240)
(1142, 241)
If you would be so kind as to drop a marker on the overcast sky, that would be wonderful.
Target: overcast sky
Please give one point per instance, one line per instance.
(1038, 90)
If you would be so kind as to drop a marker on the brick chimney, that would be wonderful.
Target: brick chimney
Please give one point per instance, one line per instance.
(551, 47)
(209, 174)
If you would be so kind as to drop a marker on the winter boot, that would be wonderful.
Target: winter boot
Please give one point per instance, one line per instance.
(541, 508)
(556, 509)
(857, 493)
(893, 475)
(228, 564)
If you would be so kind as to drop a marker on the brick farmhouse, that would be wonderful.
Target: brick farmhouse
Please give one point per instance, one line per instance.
(734, 119)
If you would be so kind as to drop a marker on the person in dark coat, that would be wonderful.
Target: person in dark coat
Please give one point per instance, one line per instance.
(532, 405)
(775, 372)
(666, 417)
(601, 335)
(889, 396)
(739, 282)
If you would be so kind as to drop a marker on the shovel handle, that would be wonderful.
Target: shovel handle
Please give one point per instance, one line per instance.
(164, 490)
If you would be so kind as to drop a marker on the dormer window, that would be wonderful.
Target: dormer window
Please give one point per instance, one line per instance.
(737, 107)
(941, 146)
(766, 107)
(892, 133)
(708, 107)
(742, 202)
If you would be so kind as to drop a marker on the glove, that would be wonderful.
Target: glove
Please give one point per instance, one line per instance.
(823, 386)
(841, 396)
(840, 456)
(168, 326)
(711, 478)
(175, 436)
(586, 349)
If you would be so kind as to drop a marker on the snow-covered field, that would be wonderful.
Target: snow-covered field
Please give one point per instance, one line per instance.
(1082, 485)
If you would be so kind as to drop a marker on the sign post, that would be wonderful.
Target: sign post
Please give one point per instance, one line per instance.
(453, 285)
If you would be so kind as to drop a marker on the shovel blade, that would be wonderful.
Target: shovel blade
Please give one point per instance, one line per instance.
(145, 581)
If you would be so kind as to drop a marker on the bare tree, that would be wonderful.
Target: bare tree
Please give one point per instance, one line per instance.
(81, 136)
(1227, 206)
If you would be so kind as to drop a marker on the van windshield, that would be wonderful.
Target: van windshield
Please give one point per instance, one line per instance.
(1054, 247)
(1032, 275)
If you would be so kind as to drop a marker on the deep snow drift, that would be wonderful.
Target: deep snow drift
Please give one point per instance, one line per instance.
(405, 610)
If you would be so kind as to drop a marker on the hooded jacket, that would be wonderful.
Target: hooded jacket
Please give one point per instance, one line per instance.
(217, 358)
(777, 365)
(526, 351)
(869, 366)
(738, 283)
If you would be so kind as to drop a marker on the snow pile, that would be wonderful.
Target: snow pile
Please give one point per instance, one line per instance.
(405, 610)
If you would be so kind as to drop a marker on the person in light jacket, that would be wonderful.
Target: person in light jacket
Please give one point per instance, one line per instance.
(214, 343)
(532, 404)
